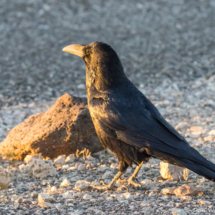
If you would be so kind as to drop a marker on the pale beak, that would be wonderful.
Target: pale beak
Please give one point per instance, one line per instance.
(75, 49)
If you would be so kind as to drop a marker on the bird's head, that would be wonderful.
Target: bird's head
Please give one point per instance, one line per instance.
(103, 67)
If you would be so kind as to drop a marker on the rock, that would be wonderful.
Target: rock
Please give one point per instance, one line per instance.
(5, 178)
(42, 197)
(59, 206)
(87, 197)
(124, 196)
(23, 168)
(188, 190)
(212, 132)
(178, 211)
(201, 202)
(63, 129)
(41, 168)
(169, 190)
(54, 189)
(107, 174)
(29, 158)
(68, 195)
(34, 194)
(82, 185)
(19, 200)
(172, 172)
(196, 130)
(70, 158)
(91, 158)
(45, 204)
(60, 160)
(65, 183)
(81, 167)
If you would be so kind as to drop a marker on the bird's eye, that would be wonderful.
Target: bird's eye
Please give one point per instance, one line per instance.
(87, 51)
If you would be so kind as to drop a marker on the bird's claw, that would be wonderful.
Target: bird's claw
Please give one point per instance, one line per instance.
(129, 181)
(132, 182)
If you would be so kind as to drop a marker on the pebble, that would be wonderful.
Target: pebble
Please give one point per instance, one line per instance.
(42, 197)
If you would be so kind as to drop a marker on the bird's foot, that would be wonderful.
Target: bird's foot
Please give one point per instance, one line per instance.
(132, 182)
(129, 181)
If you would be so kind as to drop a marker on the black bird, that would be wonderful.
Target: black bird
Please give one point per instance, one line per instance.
(126, 122)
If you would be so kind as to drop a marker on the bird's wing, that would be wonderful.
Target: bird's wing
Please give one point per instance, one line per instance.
(143, 126)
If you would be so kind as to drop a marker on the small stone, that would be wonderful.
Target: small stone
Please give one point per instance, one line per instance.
(201, 202)
(172, 172)
(82, 185)
(186, 198)
(5, 178)
(196, 130)
(212, 132)
(65, 183)
(65, 166)
(29, 158)
(177, 211)
(45, 204)
(107, 175)
(125, 196)
(81, 167)
(34, 194)
(91, 158)
(68, 195)
(59, 206)
(70, 158)
(190, 190)
(19, 200)
(23, 168)
(169, 190)
(42, 197)
(81, 86)
(87, 197)
(60, 160)
(54, 189)
(41, 168)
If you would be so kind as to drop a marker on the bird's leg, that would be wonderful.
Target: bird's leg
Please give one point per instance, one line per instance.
(134, 175)
(130, 180)
(122, 168)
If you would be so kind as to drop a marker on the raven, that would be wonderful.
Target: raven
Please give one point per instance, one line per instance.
(126, 122)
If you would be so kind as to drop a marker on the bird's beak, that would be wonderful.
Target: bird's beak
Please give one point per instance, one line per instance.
(75, 49)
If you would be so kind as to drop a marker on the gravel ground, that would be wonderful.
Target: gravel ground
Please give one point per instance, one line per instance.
(167, 49)
(154, 39)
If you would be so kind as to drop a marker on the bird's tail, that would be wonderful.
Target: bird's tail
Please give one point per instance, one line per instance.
(198, 164)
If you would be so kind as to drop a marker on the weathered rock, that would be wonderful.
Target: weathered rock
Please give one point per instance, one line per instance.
(81, 185)
(124, 196)
(41, 168)
(5, 178)
(188, 190)
(196, 130)
(45, 205)
(70, 158)
(29, 158)
(42, 197)
(60, 160)
(178, 211)
(87, 197)
(65, 183)
(81, 167)
(68, 195)
(169, 190)
(62, 129)
(172, 172)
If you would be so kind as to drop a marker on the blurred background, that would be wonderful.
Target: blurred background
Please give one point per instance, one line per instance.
(156, 41)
